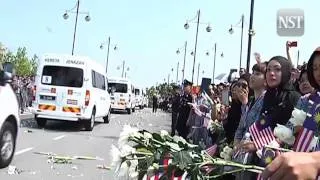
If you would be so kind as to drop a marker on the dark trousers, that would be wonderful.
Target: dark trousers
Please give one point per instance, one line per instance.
(154, 108)
(20, 101)
(174, 120)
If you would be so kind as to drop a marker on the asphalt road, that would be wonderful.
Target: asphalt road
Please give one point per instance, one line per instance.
(67, 139)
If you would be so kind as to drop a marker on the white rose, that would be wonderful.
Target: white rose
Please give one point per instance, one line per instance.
(164, 133)
(228, 158)
(284, 134)
(298, 117)
(147, 135)
(179, 139)
(274, 144)
(228, 150)
(223, 154)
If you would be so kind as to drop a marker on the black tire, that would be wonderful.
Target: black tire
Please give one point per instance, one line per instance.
(129, 110)
(40, 122)
(89, 124)
(106, 119)
(133, 109)
(5, 159)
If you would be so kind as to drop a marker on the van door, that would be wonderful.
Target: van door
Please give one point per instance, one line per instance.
(64, 84)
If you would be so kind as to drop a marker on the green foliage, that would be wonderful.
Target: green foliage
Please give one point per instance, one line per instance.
(24, 66)
(161, 89)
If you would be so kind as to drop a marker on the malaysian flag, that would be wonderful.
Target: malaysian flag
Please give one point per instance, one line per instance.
(207, 98)
(212, 150)
(261, 132)
(306, 135)
(163, 171)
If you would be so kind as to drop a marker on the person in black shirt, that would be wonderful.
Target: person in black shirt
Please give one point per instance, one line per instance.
(154, 103)
(184, 110)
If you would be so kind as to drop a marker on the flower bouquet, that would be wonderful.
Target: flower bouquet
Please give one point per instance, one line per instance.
(144, 155)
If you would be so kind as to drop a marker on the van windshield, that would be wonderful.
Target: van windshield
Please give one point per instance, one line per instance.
(137, 91)
(62, 76)
(118, 87)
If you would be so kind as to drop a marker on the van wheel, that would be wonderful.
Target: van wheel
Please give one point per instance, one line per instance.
(41, 122)
(7, 144)
(133, 109)
(129, 110)
(106, 119)
(89, 124)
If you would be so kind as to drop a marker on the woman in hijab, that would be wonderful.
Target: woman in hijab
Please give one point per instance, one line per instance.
(281, 97)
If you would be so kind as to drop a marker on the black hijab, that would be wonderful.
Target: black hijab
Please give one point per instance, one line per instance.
(279, 102)
(311, 79)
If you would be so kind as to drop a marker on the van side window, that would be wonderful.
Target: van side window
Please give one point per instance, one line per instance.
(93, 79)
(98, 80)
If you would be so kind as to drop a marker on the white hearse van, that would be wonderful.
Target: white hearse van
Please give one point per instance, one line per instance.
(71, 88)
(122, 94)
(139, 97)
(9, 117)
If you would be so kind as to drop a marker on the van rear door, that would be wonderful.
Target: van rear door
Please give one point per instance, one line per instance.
(62, 87)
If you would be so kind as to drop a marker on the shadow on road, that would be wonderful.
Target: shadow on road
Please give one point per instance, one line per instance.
(63, 126)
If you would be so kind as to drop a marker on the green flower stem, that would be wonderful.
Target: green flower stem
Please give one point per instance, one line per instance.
(279, 149)
(230, 163)
(163, 144)
(224, 173)
(135, 158)
(142, 153)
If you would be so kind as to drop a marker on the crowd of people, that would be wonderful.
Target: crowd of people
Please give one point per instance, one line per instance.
(23, 87)
(247, 105)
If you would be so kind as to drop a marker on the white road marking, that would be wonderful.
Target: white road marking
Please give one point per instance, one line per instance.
(23, 151)
(59, 137)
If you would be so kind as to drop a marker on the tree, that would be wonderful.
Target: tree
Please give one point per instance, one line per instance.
(34, 64)
(22, 63)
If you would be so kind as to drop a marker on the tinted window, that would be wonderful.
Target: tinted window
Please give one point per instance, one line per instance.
(98, 80)
(137, 91)
(120, 88)
(62, 76)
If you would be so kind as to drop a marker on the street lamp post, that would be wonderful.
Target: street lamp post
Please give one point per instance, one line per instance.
(177, 72)
(214, 61)
(198, 73)
(208, 29)
(123, 64)
(251, 33)
(66, 16)
(195, 45)
(184, 59)
(108, 51)
(241, 40)
(124, 73)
